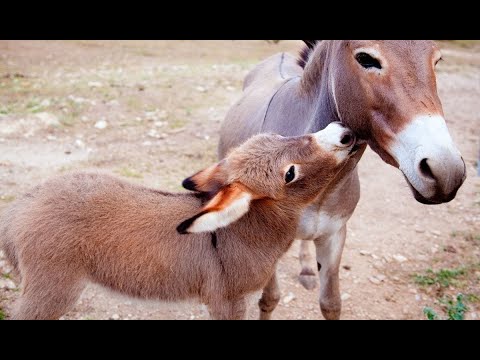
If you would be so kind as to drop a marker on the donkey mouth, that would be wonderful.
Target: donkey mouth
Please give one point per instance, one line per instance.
(436, 200)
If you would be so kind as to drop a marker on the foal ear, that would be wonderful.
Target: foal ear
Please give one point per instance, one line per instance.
(229, 205)
(209, 180)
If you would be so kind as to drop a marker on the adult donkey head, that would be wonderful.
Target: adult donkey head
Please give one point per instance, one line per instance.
(386, 92)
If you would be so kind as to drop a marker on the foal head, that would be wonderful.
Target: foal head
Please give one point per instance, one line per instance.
(385, 90)
(286, 172)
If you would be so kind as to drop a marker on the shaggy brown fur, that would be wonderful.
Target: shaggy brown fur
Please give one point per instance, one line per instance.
(92, 227)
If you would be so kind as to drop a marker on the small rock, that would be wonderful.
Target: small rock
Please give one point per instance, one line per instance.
(345, 296)
(230, 88)
(400, 258)
(147, 143)
(419, 230)
(374, 280)
(51, 138)
(289, 298)
(418, 297)
(192, 317)
(48, 119)
(160, 123)
(381, 277)
(347, 267)
(115, 317)
(101, 124)
(436, 233)
(7, 284)
(80, 144)
(94, 84)
(201, 89)
(450, 249)
(364, 252)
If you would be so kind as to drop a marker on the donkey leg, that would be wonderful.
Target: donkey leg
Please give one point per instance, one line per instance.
(270, 298)
(329, 253)
(307, 275)
(47, 296)
(228, 309)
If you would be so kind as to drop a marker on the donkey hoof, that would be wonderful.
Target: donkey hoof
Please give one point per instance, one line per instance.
(309, 282)
(331, 313)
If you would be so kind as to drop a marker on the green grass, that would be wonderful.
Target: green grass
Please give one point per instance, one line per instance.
(130, 173)
(2, 314)
(463, 43)
(6, 276)
(430, 314)
(7, 198)
(177, 124)
(443, 277)
(454, 309)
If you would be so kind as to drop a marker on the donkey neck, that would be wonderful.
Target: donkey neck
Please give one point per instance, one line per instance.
(316, 85)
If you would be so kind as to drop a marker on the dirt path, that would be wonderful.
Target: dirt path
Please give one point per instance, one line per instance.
(150, 111)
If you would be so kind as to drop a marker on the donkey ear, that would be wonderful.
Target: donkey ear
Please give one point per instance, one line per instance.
(209, 180)
(229, 205)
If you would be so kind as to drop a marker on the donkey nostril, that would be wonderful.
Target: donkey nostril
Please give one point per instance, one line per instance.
(425, 169)
(347, 139)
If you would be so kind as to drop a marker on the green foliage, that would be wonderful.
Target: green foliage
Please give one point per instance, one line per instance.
(2, 314)
(443, 277)
(430, 313)
(455, 309)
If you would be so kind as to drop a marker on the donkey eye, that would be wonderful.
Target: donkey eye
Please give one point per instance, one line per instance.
(367, 61)
(290, 175)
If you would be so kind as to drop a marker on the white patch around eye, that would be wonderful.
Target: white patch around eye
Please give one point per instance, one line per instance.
(219, 219)
(375, 54)
(297, 172)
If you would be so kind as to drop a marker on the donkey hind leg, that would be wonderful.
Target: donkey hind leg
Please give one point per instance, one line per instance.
(270, 298)
(228, 309)
(307, 276)
(329, 253)
(47, 297)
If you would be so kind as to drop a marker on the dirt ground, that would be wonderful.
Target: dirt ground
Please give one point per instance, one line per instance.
(150, 111)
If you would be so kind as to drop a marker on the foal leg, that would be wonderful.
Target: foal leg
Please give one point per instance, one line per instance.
(329, 253)
(307, 275)
(270, 298)
(228, 310)
(47, 296)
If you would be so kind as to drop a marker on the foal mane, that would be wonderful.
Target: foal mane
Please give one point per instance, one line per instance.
(306, 52)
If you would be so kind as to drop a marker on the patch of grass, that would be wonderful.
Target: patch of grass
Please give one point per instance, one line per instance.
(68, 120)
(430, 313)
(456, 308)
(443, 277)
(7, 198)
(7, 276)
(463, 43)
(472, 298)
(454, 234)
(177, 124)
(130, 173)
(2, 314)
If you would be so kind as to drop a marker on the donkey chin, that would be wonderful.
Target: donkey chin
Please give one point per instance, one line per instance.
(435, 169)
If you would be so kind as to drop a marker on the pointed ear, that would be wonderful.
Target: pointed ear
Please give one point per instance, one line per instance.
(229, 205)
(209, 180)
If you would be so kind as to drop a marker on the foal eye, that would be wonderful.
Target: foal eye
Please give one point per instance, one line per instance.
(367, 61)
(290, 175)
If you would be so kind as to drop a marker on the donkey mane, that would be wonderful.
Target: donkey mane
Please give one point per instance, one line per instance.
(306, 52)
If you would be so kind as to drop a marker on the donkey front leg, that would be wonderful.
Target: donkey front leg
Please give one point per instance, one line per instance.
(307, 275)
(228, 309)
(329, 253)
(270, 298)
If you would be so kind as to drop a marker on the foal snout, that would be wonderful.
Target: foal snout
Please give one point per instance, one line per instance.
(336, 138)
